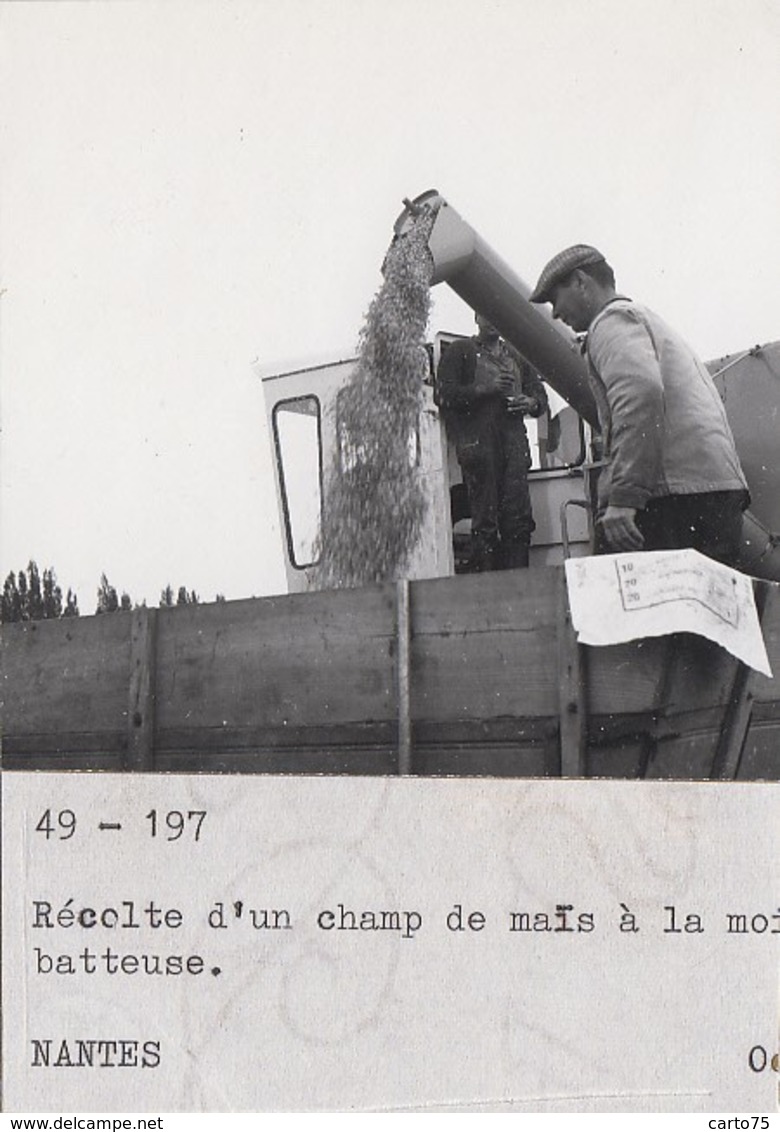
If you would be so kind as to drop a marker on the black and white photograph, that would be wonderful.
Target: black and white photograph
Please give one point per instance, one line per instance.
(390, 404)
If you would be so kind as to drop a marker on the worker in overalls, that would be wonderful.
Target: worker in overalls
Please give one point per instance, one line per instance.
(485, 389)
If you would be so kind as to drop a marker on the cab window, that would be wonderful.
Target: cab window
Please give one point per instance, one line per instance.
(298, 444)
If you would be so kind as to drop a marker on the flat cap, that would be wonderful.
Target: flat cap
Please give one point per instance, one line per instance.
(561, 265)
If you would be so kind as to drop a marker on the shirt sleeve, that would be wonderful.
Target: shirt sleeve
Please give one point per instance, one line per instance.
(455, 385)
(534, 387)
(623, 356)
(530, 383)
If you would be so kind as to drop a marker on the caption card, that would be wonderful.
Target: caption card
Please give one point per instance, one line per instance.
(203, 943)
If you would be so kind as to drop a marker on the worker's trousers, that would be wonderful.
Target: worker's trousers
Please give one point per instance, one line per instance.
(494, 460)
(710, 522)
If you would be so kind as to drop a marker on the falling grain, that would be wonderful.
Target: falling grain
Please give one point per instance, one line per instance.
(375, 503)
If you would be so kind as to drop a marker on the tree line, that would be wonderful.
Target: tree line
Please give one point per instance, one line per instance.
(35, 595)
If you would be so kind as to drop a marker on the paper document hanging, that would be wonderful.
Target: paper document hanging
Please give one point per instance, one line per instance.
(623, 597)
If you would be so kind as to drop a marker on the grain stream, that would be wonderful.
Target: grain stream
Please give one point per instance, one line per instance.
(374, 501)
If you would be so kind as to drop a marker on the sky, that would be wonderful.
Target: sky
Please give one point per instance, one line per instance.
(190, 188)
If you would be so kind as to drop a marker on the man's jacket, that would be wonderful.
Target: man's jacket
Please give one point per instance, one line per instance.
(664, 425)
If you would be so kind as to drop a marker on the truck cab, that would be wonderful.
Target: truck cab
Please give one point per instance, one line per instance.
(302, 407)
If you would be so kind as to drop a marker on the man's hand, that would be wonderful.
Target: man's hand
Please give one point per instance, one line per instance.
(492, 383)
(619, 529)
(521, 404)
(504, 384)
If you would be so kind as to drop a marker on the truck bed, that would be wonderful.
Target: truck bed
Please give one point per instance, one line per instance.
(482, 676)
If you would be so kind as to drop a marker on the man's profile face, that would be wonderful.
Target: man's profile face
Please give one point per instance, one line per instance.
(570, 303)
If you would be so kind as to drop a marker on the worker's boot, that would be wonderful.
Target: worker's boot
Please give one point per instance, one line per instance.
(484, 556)
(513, 556)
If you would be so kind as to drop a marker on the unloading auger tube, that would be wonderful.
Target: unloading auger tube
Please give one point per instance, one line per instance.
(481, 278)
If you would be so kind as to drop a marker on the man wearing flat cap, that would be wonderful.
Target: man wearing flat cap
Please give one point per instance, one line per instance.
(672, 477)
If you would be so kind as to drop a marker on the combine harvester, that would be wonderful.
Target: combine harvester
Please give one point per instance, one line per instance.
(442, 672)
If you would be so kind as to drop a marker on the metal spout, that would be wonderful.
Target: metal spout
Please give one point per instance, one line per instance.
(483, 280)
